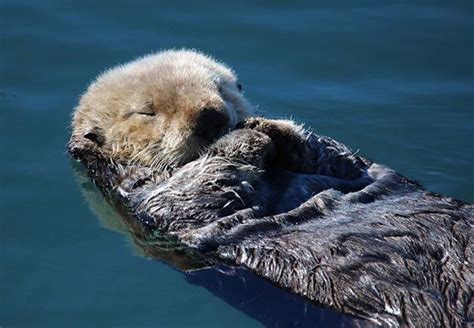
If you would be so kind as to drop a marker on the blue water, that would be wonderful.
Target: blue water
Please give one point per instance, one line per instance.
(394, 80)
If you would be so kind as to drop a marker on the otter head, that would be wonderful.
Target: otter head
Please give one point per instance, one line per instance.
(161, 110)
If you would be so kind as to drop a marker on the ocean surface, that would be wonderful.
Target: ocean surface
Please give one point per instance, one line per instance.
(392, 79)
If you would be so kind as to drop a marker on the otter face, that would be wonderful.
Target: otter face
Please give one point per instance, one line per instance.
(161, 110)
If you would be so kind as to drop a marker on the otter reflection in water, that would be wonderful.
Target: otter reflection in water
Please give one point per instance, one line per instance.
(298, 209)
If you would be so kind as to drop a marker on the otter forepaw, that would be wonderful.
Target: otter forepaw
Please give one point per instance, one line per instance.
(252, 147)
(293, 151)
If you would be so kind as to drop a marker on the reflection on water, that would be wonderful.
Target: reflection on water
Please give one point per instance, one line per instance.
(394, 80)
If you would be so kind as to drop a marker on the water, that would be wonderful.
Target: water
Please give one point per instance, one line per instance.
(393, 80)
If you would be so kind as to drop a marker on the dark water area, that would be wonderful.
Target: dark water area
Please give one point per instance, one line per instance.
(394, 80)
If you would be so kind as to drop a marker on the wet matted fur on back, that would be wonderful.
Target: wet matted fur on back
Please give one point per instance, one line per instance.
(325, 224)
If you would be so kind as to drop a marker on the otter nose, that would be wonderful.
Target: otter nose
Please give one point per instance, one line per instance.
(210, 124)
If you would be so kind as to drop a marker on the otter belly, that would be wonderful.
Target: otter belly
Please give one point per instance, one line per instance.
(340, 231)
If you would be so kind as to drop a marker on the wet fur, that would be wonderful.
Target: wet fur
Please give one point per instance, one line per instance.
(300, 210)
(329, 226)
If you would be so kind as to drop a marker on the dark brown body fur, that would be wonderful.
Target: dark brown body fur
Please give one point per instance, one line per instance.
(308, 215)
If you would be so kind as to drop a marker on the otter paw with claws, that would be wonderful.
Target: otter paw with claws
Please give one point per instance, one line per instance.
(293, 151)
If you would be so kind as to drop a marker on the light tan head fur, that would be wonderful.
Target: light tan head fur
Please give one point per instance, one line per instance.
(161, 110)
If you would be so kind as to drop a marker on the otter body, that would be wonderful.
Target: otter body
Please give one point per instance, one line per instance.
(298, 209)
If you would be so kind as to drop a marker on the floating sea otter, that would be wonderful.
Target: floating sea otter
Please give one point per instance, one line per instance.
(171, 140)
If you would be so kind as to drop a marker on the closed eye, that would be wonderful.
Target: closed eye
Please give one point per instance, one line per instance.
(127, 115)
(146, 113)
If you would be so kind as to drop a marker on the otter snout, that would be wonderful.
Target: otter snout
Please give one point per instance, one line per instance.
(210, 124)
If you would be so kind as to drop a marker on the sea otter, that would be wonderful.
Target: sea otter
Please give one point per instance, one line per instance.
(298, 209)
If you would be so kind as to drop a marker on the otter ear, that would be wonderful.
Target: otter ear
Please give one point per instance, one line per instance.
(96, 135)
